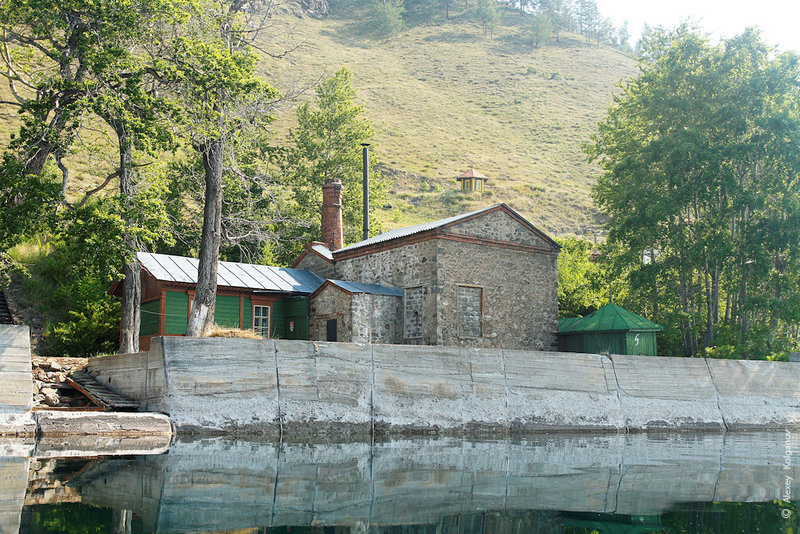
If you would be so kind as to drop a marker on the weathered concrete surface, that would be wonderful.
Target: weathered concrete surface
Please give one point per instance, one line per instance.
(131, 375)
(17, 424)
(323, 382)
(666, 393)
(216, 484)
(550, 390)
(13, 484)
(215, 386)
(757, 395)
(59, 423)
(101, 445)
(16, 395)
(270, 386)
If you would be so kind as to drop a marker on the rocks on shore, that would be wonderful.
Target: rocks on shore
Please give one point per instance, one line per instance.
(50, 386)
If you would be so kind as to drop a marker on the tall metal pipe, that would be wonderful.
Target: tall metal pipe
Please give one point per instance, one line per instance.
(365, 180)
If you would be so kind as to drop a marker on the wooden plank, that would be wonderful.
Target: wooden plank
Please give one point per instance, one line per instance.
(98, 393)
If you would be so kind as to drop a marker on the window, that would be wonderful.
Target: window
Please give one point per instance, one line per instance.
(414, 301)
(470, 311)
(261, 320)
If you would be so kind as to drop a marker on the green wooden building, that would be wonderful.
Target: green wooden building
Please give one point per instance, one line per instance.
(609, 330)
(272, 301)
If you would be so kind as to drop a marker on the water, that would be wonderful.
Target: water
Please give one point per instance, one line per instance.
(576, 484)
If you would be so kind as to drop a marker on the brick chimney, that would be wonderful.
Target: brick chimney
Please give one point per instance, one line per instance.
(332, 227)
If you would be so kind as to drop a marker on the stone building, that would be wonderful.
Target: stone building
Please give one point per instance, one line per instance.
(482, 279)
(361, 313)
(486, 279)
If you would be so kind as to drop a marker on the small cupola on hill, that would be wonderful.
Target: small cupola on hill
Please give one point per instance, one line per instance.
(472, 180)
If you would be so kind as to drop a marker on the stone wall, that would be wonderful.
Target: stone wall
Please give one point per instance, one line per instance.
(331, 303)
(377, 319)
(321, 267)
(519, 292)
(409, 266)
(500, 226)
(214, 384)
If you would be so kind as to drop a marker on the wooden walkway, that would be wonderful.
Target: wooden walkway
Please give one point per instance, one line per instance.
(16, 393)
(100, 394)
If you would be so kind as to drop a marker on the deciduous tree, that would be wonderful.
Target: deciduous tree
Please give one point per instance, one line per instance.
(326, 144)
(700, 165)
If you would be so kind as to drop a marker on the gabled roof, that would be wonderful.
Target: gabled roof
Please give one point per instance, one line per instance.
(400, 233)
(609, 318)
(315, 247)
(357, 287)
(179, 269)
(472, 173)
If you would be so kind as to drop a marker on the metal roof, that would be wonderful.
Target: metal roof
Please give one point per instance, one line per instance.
(372, 289)
(609, 318)
(472, 173)
(168, 268)
(411, 230)
(322, 250)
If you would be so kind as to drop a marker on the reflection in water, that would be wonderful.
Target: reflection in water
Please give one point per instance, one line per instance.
(572, 484)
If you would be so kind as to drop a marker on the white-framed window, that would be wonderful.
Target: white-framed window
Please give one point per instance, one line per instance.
(261, 320)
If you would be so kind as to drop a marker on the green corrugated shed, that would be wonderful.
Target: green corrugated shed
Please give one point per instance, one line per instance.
(612, 330)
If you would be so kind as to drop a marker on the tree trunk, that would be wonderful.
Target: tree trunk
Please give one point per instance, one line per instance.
(132, 281)
(709, 334)
(201, 318)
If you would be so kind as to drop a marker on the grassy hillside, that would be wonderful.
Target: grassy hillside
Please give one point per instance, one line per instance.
(443, 97)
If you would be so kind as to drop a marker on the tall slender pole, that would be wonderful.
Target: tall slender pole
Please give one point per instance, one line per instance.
(365, 180)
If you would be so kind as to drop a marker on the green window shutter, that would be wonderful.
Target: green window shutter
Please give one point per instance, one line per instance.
(177, 313)
(226, 313)
(248, 313)
(151, 317)
(279, 319)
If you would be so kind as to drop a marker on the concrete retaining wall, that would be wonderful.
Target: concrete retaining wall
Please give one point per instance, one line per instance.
(16, 393)
(16, 381)
(213, 384)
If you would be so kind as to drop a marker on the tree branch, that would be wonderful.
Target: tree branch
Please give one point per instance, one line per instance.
(98, 188)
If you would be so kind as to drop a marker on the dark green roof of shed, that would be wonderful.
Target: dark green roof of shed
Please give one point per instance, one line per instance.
(564, 323)
(609, 318)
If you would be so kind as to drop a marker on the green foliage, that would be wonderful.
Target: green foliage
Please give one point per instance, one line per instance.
(326, 146)
(68, 289)
(90, 328)
(539, 29)
(385, 18)
(583, 280)
(487, 16)
(26, 208)
(700, 163)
